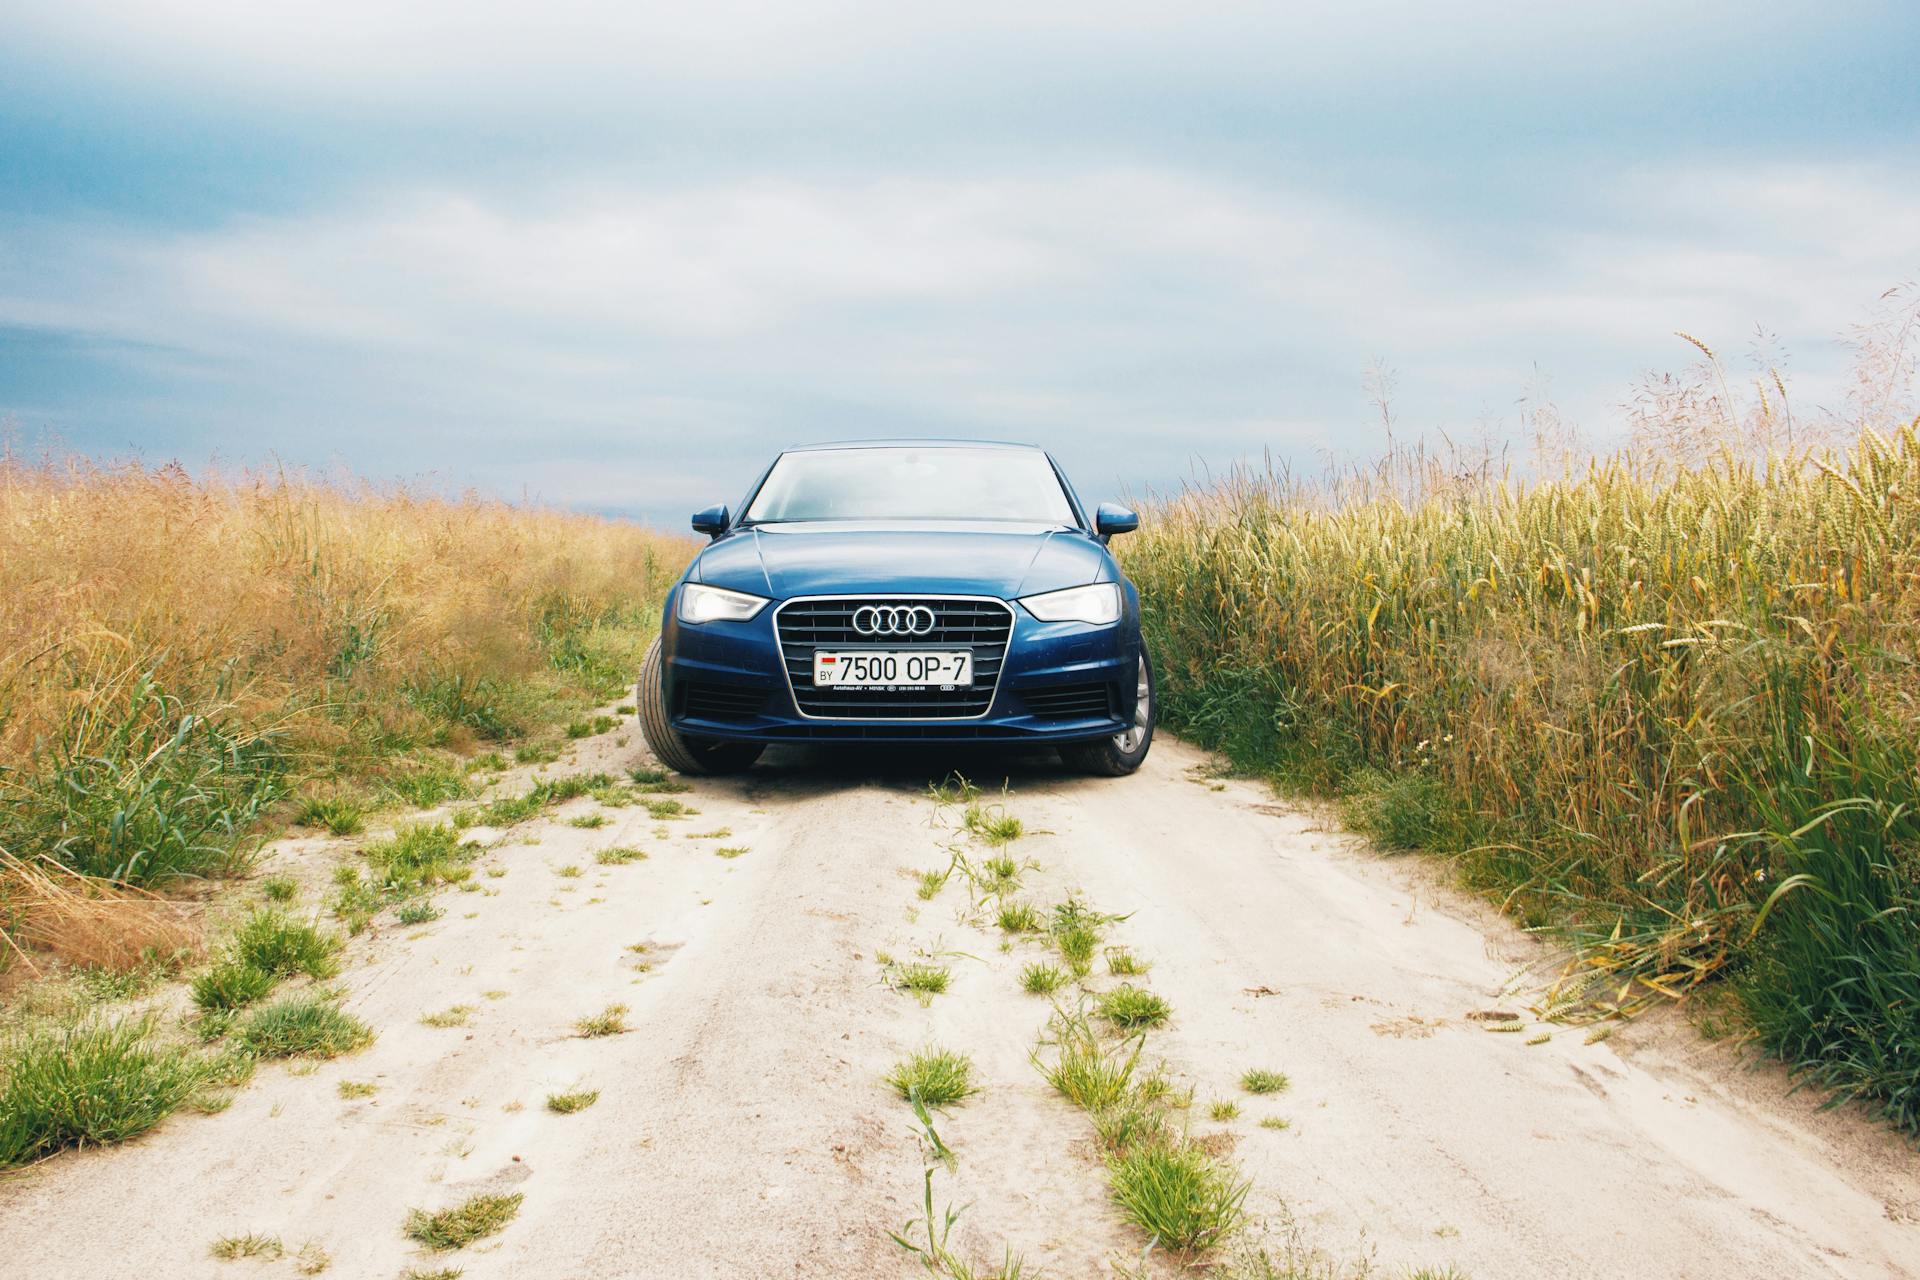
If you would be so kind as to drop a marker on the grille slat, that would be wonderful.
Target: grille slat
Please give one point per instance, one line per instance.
(984, 626)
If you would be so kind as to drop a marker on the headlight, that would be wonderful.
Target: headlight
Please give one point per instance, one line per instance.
(711, 604)
(1098, 604)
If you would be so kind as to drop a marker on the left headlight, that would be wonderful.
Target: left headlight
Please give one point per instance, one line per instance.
(713, 604)
(1098, 604)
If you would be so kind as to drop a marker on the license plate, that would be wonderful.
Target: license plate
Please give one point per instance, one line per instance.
(893, 669)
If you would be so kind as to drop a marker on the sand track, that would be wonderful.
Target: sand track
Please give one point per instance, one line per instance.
(741, 1130)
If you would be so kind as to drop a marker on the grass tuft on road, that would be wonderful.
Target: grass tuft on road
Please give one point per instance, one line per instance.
(250, 1245)
(937, 1077)
(1130, 1007)
(307, 1026)
(419, 855)
(992, 823)
(1178, 1194)
(1042, 979)
(611, 1021)
(1257, 1080)
(1077, 943)
(1077, 930)
(1019, 917)
(921, 978)
(460, 1225)
(1087, 1070)
(618, 855)
(1174, 1189)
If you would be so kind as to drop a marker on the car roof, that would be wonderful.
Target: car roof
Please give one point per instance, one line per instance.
(915, 443)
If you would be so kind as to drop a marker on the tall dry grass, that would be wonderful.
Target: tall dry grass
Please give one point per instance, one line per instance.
(1666, 702)
(178, 652)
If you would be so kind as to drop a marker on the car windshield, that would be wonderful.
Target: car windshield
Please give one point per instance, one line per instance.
(912, 484)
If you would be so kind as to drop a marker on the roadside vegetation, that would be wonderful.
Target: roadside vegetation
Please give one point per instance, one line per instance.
(267, 947)
(1662, 703)
(91, 1084)
(189, 665)
(177, 656)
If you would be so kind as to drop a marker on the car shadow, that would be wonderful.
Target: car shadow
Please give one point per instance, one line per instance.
(798, 771)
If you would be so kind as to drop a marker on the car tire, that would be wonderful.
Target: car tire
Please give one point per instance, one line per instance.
(1122, 753)
(671, 747)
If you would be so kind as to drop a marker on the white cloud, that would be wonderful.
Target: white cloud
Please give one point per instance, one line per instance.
(439, 269)
(599, 265)
(1137, 317)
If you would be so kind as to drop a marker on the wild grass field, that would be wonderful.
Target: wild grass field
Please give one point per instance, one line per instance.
(190, 664)
(1663, 703)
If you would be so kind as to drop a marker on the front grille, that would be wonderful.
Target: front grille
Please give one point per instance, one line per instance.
(1070, 701)
(707, 701)
(981, 625)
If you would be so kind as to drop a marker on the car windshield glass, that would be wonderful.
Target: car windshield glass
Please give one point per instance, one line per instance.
(912, 484)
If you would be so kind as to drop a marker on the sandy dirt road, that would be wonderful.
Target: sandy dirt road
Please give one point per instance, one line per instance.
(742, 1129)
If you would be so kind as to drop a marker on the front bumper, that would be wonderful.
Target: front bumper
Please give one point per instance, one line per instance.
(1059, 682)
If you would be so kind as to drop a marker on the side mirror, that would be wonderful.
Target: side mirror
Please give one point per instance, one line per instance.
(712, 521)
(1111, 518)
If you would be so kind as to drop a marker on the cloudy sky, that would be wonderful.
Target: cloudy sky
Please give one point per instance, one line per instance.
(614, 255)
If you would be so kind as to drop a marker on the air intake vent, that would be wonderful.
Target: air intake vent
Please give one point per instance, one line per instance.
(706, 701)
(1070, 701)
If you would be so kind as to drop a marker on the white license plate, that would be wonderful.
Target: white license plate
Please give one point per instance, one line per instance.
(893, 669)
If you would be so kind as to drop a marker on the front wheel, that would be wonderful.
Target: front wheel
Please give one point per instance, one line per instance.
(1121, 754)
(671, 747)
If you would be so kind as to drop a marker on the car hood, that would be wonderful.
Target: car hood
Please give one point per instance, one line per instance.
(1005, 560)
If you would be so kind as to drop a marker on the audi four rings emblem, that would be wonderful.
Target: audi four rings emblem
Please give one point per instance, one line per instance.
(893, 620)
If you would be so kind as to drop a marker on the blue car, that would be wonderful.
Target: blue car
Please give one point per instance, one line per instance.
(912, 591)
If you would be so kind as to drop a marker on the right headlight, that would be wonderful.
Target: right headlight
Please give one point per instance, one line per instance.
(699, 603)
(1096, 605)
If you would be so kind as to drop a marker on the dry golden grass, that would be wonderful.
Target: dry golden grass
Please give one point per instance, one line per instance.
(276, 598)
(178, 653)
(86, 922)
